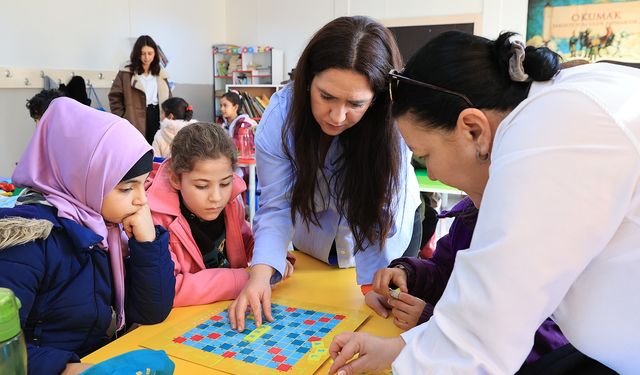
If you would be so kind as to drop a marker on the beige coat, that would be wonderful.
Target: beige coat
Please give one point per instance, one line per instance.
(164, 136)
(127, 98)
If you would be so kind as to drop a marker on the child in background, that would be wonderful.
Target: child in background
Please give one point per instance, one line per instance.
(196, 196)
(237, 126)
(39, 103)
(423, 281)
(176, 114)
(61, 248)
(230, 109)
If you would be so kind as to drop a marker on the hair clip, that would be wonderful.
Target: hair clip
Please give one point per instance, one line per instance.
(516, 61)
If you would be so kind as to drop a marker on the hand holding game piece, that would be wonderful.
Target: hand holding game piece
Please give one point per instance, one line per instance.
(387, 277)
(394, 293)
(405, 309)
(374, 353)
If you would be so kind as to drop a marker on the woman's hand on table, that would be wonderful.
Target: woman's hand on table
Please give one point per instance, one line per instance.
(374, 353)
(257, 295)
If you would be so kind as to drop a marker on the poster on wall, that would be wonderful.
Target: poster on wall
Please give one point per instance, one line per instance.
(586, 29)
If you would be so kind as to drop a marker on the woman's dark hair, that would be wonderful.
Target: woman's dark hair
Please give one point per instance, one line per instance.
(136, 63)
(76, 89)
(39, 103)
(470, 65)
(367, 172)
(233, 97)
(178, 107)
(200, 141)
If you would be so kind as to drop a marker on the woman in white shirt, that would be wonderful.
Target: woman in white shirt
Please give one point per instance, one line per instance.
(139, 87)
(558, 232)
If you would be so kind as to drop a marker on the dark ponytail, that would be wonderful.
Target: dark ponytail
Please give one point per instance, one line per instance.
(541, 63)
(178, 107)
(473, 66)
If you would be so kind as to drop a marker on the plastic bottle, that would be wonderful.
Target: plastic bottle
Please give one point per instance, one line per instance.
(246, 145)
(13, 352)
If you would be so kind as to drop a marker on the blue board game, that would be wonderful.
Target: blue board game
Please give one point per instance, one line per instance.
(296, 342)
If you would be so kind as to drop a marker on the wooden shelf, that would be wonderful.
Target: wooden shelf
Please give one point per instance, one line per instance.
(255, 90)
(261, 69)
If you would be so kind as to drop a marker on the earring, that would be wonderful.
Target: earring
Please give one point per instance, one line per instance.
(482, 158)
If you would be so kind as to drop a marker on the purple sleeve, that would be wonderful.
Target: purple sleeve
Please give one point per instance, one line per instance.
(426, 313)
(547, 338)
(428, 277)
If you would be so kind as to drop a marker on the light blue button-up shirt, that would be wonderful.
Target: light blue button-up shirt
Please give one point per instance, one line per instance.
(273, 226)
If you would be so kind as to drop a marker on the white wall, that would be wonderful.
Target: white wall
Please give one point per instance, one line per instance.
(96, 34)
(289, 24)
(284, 24)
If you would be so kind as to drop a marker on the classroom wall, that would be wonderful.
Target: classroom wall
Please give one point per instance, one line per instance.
(98, 35)
(289, 24)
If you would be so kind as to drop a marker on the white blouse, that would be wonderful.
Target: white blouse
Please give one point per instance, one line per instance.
(558, 235)
(150, 84)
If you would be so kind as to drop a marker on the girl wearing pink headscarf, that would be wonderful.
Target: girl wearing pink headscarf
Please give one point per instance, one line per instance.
(62, 248)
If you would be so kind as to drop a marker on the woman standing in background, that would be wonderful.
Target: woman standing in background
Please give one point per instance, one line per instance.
(139, 87)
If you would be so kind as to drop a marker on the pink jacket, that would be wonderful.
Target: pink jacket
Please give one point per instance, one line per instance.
(195, 284)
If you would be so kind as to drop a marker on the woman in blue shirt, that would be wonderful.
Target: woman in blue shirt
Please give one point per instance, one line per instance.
(335, 174)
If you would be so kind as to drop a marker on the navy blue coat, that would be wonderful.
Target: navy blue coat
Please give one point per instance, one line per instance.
(65, 286)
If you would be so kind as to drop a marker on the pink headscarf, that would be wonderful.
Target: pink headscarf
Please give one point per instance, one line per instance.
(76, 156)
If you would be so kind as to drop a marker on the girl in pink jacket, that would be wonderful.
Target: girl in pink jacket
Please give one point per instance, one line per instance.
(196, 196)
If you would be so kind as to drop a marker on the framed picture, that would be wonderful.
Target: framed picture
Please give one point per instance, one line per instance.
(586, 29)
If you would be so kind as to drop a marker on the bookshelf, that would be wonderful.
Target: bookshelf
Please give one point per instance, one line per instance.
(257, 68)
(258, 92)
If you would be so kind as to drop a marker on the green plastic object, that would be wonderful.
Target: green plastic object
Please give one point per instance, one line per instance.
(9, 317)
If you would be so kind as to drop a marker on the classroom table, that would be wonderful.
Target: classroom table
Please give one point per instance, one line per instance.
(313, 281)
(251, 164)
